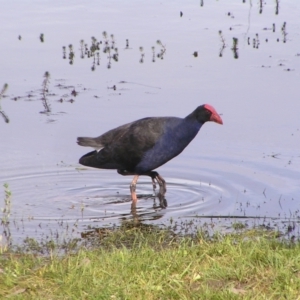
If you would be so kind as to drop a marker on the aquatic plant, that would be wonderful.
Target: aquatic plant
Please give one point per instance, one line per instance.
(283, 31)
(4, 89)
(71, 54)
(92, 50)
(260, 6)
(82, 48)
(256, 41)
(45, 90)
(153, 53)
(116, 54)
(112, 41)
(106, 42)
(109, 58)
(64, 52)
(162, 50)
(223, 46)
(142, 54)
(94, 46)
(235, 47)
(7, 205)
(42, 37)
(6, 213)
(276, 7)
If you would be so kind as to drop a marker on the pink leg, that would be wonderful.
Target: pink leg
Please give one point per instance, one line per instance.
(132, 190)
(154, 176)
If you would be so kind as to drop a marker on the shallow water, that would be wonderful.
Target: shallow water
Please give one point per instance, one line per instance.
(248, 168)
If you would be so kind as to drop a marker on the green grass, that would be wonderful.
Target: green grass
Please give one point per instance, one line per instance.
(134, 263)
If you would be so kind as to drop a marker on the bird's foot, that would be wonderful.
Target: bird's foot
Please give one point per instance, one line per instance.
(162, 200)
(161, 182)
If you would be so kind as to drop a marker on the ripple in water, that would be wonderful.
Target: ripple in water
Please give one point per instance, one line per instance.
(48, 200)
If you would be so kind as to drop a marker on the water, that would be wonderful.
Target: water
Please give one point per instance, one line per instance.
(248, 169)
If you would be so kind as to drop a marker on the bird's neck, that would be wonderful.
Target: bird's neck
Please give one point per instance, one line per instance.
(188, 129)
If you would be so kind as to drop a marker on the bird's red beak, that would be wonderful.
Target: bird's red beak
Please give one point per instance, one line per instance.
(216, 118)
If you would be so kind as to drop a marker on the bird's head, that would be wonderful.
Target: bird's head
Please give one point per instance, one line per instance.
(206, 113)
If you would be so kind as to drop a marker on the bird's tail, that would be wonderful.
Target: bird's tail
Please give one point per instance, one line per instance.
(89, 142)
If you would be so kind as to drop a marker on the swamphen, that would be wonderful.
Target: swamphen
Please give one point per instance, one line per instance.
(139, 147)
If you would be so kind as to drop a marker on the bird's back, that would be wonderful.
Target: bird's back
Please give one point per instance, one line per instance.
(140, 146)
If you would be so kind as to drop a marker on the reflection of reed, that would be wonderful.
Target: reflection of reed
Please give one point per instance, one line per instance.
(82, 49)
(5, 117)
(260, 6)
(153, 54)
(109, 48)
(6, 212)
(223, 44)
(64, 52)
(45, 90)
(283, 31)
(93, 50)
(71, 54)
(256, 42)
(142, 55)
(42, 38)
(277, 7)
(162, 50)
(4, 89)
(234, 48)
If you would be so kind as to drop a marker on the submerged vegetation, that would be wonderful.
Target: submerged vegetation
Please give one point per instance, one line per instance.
(223, 43)
(5, 235)
(45, 91)
(3, 114)
(235, 48)
(108, 47)
(92, 51)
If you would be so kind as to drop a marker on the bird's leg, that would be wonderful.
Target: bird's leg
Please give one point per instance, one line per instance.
(153, 184)
(162, 191)
(162, 187)
(132, 190)
(132, 186)
(152, 174)
(161, 182)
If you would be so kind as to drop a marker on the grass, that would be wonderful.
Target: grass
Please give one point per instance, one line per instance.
(144, 263)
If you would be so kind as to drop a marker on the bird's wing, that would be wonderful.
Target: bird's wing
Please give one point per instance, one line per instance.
(126, 145)
(105, 139)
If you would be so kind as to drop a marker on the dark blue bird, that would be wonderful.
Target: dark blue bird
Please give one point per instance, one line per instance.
(139, 147)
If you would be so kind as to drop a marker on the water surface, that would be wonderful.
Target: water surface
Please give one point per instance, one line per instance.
(248, 169)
